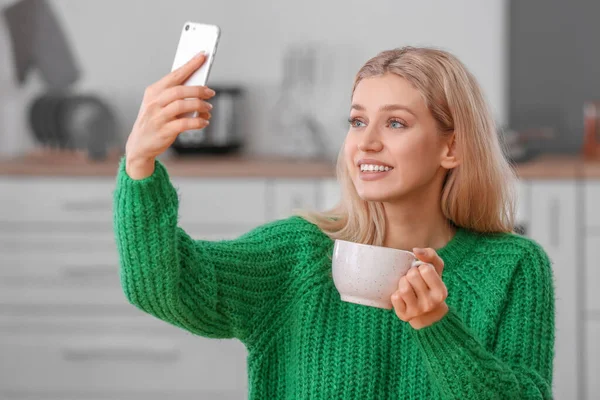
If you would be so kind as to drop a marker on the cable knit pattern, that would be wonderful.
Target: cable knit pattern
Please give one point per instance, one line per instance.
(272, 289)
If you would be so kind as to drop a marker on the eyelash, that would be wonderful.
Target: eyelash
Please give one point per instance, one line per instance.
(352, 122)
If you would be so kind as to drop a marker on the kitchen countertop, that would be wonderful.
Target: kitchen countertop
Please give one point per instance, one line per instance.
(557, 166)
(225, 166)
(543, 167)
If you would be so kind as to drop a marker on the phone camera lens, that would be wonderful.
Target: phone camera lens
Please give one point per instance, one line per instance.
(187, 27)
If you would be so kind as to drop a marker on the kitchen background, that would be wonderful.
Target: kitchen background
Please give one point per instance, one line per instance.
(121, 47)
(72, 75)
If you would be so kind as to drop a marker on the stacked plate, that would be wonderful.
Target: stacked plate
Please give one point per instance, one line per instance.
(73, 121)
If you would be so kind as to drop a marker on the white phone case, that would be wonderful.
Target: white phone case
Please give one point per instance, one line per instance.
(196, 37)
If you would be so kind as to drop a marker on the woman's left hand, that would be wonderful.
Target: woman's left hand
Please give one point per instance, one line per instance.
(421, 296)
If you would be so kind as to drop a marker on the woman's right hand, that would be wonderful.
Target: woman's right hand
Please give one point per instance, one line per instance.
(160, 118)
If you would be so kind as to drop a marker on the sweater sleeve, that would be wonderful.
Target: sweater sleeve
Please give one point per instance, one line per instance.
(519, 366)
(213, 289)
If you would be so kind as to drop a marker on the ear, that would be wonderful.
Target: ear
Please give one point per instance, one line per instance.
(450, 157)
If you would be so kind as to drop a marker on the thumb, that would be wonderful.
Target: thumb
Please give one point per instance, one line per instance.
(430, 256)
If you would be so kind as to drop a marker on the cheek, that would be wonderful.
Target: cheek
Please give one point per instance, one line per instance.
(417, 146)
(349, 152)
(416, 161)
(408, 152)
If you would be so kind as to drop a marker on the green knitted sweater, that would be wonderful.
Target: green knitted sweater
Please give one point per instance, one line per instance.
(272, 289)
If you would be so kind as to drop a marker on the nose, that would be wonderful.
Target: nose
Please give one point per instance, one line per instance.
(370, 141)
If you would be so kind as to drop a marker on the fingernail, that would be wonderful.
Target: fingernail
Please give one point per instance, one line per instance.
(418, 250)
(210, 92)
(210, 106)
(202, 53)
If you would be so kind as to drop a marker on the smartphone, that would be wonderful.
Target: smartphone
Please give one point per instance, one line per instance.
(196, 37)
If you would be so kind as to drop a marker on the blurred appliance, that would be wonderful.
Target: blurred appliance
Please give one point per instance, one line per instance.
(298, 130)
(223, 134)
(63, 121)
(523, 145)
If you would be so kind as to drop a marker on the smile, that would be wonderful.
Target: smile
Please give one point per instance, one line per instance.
(374, 168)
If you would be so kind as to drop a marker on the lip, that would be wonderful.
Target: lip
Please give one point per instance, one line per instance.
(372, 176)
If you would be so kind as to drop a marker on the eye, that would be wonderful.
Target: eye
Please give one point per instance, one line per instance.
(356, 123)
(396, 124)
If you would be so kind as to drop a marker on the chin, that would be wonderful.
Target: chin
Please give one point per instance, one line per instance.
(376, 194)
(377, 199)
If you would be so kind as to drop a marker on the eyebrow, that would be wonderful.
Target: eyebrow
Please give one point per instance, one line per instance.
(387, 107)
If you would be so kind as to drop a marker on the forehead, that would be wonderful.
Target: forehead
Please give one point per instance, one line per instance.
(387, 89)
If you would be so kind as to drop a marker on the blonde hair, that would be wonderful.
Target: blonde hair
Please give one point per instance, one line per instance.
(479, 194)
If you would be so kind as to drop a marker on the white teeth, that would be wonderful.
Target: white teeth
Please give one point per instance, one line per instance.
(374, 168)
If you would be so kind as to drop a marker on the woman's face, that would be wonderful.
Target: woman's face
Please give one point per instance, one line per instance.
(393, 147)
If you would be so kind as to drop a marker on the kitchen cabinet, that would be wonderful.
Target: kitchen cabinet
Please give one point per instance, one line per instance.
(120, 395)
(59, 200)
(91, 363)
(593, 360)
(66, 329)
(215, 209)
(592, 205)
(590, 279)
(592, 276)
(553, 224)
(285, 196)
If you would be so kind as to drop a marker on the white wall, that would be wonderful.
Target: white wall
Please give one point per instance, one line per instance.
(123, 46)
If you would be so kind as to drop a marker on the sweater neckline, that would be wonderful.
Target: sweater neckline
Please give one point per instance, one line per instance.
(458, 247)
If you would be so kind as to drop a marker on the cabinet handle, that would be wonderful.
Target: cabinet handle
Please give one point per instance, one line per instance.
(521, 229)
(87, 272)
(554, 225)
(87, 206)
(120, 354)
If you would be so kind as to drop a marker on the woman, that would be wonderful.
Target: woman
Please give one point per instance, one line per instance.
(421, 169)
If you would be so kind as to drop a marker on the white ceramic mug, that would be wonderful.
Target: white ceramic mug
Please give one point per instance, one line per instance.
(369, 275)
